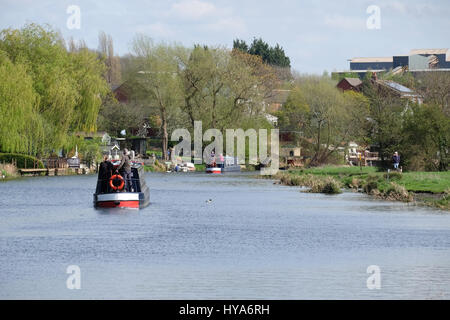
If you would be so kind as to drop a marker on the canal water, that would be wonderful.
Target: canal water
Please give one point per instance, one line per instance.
(253, 240)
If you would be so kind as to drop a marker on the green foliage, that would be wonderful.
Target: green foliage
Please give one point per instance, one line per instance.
(323, 116)
(272, 55)
(385, 120)
(22, 161)
(18, 109)
(61, 91)
(426, 139)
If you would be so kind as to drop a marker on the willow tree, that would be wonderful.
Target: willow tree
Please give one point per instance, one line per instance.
(21, 127)
(69, 86)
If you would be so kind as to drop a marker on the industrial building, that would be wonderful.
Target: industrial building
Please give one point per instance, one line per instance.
(417, 61)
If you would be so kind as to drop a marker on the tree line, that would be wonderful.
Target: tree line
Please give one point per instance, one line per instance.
(50, 89)
(172, 86)
(326, 119)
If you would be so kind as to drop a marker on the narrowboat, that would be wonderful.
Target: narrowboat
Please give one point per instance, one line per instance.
(111, 192)
(229, 164)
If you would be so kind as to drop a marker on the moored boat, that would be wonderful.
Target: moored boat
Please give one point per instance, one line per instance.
(228, 164)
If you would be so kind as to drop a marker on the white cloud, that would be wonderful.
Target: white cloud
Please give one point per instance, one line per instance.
(157, 29)
(414, 9)
(342, 22)
(193, 9)
(233, 25)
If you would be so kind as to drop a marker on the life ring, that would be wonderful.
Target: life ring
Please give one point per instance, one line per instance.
(115, 177)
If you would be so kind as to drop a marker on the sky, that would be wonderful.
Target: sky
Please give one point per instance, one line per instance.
(316, 35)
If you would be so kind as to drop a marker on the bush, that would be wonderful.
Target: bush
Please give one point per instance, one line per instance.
(398, 192)
(328, 185)
(22, 161)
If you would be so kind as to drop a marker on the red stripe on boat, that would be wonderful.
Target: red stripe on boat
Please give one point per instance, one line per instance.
(121, 204)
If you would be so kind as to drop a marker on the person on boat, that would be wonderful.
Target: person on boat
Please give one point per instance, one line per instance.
(105, 172)
(213, 159)
(125, 165)
(222, 163)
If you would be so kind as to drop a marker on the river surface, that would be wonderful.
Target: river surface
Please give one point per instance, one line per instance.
(254, 240)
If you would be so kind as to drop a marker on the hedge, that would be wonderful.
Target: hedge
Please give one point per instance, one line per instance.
(21, 160)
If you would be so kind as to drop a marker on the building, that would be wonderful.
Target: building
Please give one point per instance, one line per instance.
(364, 64)
(122, 92)
(354, 84)
(416, 61)
(399, 90)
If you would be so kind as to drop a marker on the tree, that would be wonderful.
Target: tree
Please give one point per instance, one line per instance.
(224, 89)
(435, 88)
(425, 138)
(274, 56)
(385, 120)
(69, 86)
(106, 50)
(154, 75)
(18, 109)
(318, 112)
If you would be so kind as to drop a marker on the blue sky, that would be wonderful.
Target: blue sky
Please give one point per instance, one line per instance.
(316, 35)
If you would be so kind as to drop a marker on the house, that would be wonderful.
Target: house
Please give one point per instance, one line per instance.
(122, 92)
(276, 100)
(400, 90)
(354, 84)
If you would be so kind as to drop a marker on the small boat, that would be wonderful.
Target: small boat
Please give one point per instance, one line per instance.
(111, 193)
(229, 164)
(186, 167)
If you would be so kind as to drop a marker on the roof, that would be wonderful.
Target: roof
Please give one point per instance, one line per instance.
(353, 81)
(428, 51)
(396, 87)
(373, 59)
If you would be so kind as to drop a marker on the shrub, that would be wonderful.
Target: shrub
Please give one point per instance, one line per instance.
(327, 185)
(398, 192)
(22, 161)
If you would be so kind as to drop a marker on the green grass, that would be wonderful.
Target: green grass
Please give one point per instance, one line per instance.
(336, 171)
(434, 182)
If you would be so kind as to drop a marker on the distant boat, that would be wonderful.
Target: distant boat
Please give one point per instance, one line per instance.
(229, 164)
(187, 167)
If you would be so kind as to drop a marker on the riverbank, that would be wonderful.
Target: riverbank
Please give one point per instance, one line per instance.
(427, 188)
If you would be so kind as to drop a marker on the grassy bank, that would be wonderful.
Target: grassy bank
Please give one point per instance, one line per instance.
(431, 188)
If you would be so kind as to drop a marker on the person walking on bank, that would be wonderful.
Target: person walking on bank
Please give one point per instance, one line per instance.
(125, 164)
(396, 160)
